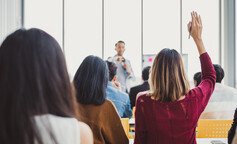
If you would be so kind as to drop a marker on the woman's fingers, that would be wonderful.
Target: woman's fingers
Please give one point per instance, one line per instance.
(193, 18)
(189, 26)
(200, 20)
(196, 18)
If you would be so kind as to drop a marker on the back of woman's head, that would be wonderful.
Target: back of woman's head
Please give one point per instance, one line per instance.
(168, 80)
(33, 81)
(91, 80)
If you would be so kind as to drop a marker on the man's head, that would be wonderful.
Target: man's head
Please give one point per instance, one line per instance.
(219, 73)
(120, 48)
(112, 69)
(197, 78)
(145, 73)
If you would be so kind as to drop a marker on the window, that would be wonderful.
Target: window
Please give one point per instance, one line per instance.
(161, 25)
(122, 21)
(45, 15)
(83, 31)
(210, 34)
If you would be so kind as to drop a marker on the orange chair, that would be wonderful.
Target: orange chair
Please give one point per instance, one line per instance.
(213, 128)
(125, 123)
(133, 112)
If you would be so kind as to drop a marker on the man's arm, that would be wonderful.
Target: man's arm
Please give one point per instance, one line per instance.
(131, 75)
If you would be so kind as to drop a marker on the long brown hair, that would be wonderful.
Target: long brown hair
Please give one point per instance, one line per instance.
(33, 81)
(168, 80)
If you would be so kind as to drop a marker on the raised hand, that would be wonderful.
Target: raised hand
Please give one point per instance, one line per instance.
(195, 26)
(195, 30)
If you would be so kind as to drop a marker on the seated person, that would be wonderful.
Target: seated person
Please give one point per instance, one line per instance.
(118, 98)
(197, 79)
(222, 103)
(37, 99)
(231, 133)
(94, 109)
(169, 112)
(234, 140)
(140, 88)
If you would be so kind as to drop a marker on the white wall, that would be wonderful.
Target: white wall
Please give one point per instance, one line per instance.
(146, 26)
(10, 17)
(45, 15)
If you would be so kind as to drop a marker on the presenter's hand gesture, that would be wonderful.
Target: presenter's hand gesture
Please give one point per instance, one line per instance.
(127, 68)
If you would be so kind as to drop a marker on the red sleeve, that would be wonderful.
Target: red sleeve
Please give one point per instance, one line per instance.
(140, 129)
(207, 85)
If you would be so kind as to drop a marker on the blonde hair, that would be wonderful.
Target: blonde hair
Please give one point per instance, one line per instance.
(168, 80)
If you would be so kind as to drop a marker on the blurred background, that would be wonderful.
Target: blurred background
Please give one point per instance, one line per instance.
(92, 27)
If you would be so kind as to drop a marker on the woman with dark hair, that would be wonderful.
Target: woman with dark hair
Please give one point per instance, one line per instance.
(170, 111)
(37, 102)
(90, 81)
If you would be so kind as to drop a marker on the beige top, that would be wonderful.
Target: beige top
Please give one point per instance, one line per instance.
(64, 130)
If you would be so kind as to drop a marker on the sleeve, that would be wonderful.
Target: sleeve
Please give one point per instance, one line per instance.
(131, 76)
(140, 131)
(132, 97)
(128, 110)
(207, 85)
(112, 129)
(231, 133)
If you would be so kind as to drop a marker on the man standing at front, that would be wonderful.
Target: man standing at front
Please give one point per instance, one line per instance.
(124, 71)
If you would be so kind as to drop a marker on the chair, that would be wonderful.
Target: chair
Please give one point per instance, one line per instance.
(133, 112)
(125, 123)
(213, 128)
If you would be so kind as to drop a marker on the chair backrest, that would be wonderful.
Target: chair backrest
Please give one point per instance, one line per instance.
(213, 128)
(133, 112)
(125, 123)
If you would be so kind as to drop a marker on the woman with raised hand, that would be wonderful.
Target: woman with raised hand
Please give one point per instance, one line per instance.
(100, 114)
(169, 113)
(37, 102)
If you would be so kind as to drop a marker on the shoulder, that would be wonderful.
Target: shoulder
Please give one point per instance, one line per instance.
(142, 97)
(110, 109)
(85, 133)
(135, 87)
(108, 105)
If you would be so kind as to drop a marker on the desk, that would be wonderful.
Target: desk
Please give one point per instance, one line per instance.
(199, 140)
(132, 121)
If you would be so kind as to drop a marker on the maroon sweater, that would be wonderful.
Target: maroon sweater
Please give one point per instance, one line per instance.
(174, 122)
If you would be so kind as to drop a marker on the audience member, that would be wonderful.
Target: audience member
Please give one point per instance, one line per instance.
(37, 103)
(232, 130)
(124, 68)
(119, 99)
(90, 81)
(140, 88)
(197, 78)
(223, 101)
(235, 138)
(170, 112)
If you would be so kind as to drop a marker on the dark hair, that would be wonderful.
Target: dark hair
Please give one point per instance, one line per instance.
(145, 73)
(168, 79)
(91, 81)
(112, 69)
(219, 73)
(33, 81)
(197, 77)
(119, 42)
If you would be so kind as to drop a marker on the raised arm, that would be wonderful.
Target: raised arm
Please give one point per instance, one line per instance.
(207, 85)
(195, 30)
